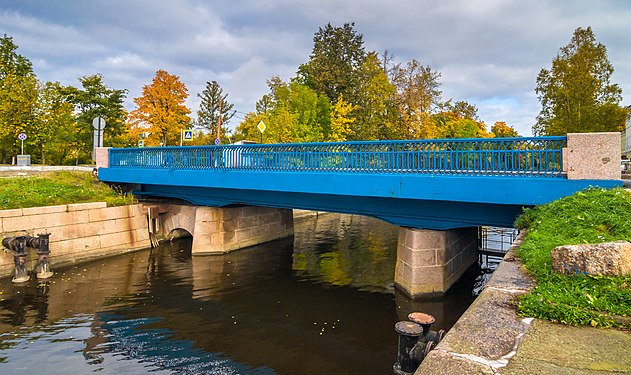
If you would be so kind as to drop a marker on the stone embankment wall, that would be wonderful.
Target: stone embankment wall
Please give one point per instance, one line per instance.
(486, 336)
(78, 232)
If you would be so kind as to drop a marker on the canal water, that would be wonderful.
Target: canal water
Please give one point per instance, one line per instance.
(320, 303)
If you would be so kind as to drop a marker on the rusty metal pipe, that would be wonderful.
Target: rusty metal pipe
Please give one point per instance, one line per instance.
(19, 245)
(407, 361)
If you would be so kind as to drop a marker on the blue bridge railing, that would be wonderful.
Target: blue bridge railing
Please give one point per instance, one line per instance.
(528, 156)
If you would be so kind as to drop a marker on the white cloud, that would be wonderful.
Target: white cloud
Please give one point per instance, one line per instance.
(488, 51)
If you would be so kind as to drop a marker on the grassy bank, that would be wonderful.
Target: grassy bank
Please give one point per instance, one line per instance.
(590, 216)
(53, 188)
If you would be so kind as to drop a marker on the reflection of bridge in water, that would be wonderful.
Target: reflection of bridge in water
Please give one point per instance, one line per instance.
(433, 189)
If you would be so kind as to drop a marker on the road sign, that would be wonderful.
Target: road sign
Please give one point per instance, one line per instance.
(261, 126)
(141, 143)
(22, 138)
(188, 135)
(217, 141)
(98, 123)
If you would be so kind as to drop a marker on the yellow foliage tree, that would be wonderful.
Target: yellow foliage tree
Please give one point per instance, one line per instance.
(161, 110)
(501, 130)
(341, 120)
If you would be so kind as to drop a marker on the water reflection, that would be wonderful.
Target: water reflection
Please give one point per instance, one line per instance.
(320, 303)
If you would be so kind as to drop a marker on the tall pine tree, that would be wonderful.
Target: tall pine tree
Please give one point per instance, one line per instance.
(213, 105)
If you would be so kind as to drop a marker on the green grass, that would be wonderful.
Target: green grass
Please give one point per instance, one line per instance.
(590, 216)
(56, 188)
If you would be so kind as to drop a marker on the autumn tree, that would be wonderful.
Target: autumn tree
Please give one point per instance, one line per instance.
(458, 120)
(161, 110)
(375, 115)
(341, 120)
(576, 94)
(501, 130)
(418, 97)
(337, 55)
(214, 105)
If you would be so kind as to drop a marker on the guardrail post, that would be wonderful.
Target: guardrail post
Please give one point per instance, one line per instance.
(592, 156)
(102, 157)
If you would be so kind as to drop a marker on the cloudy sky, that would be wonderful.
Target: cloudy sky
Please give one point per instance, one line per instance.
(488, 51)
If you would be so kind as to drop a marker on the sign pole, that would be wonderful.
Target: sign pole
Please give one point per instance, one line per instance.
(22, 137)
(99, 125)
(261, 126)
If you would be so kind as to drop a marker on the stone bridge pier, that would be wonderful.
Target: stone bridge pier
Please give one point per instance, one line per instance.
(429, 262)
(218, 230)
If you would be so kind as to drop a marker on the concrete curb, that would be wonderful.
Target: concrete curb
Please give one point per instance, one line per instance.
(45, 168)
(486, 336)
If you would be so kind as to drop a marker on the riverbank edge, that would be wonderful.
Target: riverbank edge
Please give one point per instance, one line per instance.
(78, 232)
(490, 338)
(487, 335)
(103, 231)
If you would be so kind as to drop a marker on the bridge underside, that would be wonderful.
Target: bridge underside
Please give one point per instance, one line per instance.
(419, 201)
(402, 212)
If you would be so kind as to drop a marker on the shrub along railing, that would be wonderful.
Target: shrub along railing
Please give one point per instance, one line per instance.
(533, 156)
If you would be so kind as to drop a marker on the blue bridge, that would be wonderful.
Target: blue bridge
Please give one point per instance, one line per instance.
(432, 184)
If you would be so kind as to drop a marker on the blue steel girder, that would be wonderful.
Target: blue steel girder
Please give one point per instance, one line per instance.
(411, 200)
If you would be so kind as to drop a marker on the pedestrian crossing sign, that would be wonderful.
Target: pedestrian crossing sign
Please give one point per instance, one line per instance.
(188, 135)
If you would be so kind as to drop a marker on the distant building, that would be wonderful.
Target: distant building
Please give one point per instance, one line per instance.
(626, 136)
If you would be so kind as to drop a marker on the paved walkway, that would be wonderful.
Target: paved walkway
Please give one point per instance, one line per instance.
(490, 338)
(549, 348)
(14, 170)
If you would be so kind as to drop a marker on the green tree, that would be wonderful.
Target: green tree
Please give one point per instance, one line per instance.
(18, 107)
(337, 55)
(161, 110)
(295, 113)
(576, 94)
(55, 124)
(18, 96)
(92, 100)
(213, 105)
(12, 62)
(247, 129)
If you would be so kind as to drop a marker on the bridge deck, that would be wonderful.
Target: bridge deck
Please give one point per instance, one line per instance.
(427, 184)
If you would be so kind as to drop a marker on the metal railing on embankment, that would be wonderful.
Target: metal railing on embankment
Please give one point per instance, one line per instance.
(520, 157)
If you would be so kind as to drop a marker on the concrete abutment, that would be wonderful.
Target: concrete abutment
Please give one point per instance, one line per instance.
(218, 230)
(429, 262)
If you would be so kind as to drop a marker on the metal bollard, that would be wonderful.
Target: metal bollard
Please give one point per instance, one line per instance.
(18, 246)
(416, 340)
(409, 333)
(42, 244)
(426, 321)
